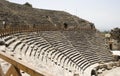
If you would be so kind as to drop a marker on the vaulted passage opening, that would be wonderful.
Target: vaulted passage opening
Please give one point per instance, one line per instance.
(65, 25)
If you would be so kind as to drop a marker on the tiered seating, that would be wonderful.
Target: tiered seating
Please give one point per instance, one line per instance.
(97, 42)
(70, 50)
(64, 46)
(86, 43)
(65, 18)
(36, 46)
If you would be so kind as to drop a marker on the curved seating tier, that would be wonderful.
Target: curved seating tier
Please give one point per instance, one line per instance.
(70, 50)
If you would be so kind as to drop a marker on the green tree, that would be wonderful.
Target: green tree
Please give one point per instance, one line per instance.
(28, 4)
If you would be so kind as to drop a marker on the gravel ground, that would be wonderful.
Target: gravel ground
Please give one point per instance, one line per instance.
(112, 72)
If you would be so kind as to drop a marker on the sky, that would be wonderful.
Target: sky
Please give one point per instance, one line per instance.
(105, 14)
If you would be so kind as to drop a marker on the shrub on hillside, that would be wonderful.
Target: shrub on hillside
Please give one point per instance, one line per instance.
(28, 4)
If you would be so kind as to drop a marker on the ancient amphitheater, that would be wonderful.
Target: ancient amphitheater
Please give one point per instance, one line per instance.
(50, 43)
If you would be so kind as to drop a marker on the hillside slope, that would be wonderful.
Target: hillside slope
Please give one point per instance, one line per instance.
(16, 15)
